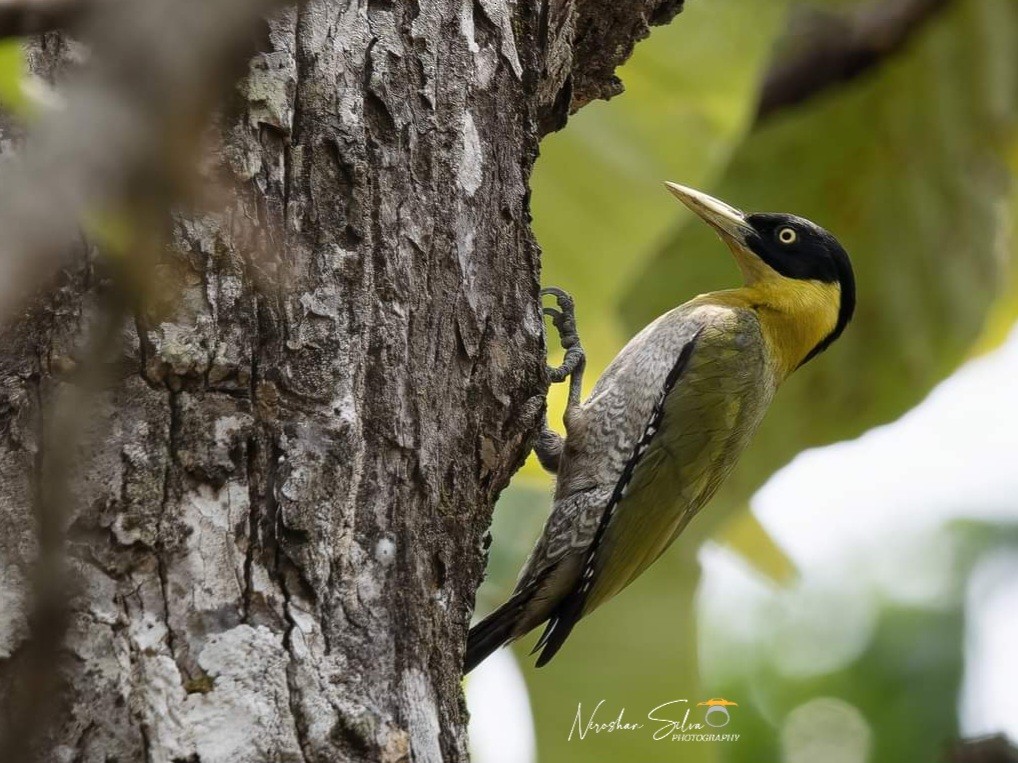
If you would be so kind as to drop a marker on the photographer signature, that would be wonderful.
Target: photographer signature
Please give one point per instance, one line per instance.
(669, 720)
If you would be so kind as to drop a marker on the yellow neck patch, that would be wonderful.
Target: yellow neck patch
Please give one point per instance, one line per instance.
(795, 315)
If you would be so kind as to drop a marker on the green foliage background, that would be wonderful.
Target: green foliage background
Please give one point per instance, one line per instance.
(912, 167)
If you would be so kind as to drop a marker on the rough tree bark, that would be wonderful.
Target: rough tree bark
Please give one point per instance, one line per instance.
(280, 504)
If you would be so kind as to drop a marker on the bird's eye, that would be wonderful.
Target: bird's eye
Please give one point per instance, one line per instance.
(787, 235)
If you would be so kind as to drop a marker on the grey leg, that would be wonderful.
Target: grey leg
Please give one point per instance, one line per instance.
(574, 361)
(549, 443)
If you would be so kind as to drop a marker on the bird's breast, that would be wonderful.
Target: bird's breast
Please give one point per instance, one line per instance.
(712, 414)
(708, 418)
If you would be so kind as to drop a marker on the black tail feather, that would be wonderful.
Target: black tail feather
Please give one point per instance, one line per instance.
(493, 632)
(560, 625)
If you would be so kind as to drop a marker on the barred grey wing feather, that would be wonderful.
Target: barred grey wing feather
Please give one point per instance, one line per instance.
(604, 433)
(708, 419)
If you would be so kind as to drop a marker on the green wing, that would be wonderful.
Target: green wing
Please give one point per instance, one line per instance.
(701, 426)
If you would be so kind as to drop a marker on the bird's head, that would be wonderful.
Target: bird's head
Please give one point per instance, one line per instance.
(780, 250)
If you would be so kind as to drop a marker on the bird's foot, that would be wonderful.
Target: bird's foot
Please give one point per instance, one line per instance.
(564, 319)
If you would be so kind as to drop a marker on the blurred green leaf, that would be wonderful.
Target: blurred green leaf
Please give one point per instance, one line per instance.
(908, 705)
(12, 72)
(746, 536)
(1004, 312)
(115, 232)
(905, 683)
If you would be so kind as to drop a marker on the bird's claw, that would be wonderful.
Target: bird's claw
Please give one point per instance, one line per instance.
(564, 320)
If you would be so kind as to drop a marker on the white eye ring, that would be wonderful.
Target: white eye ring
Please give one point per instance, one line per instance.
(787, 235)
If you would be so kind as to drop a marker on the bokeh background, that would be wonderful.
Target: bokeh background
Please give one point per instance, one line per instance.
(854, 587)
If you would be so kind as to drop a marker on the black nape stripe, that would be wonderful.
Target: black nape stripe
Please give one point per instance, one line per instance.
(568, 612)
(846, 308)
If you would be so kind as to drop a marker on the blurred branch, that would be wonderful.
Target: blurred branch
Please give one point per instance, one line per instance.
(991, 749)
(38, 662)
(128, 133)
(837, 48)
(129, 127)
(20, 18)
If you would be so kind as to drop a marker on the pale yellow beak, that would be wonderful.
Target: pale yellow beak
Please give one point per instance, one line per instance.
(726, 220)
(731, 226)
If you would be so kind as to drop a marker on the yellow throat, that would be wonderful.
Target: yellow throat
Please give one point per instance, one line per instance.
(795, 315)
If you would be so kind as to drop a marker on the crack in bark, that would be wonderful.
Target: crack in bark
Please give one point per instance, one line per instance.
(292, 684)
(252, 526)
(135, 674)
(172, 466)
(281, 562)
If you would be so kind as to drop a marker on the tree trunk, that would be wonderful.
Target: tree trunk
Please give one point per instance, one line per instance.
(279, 503)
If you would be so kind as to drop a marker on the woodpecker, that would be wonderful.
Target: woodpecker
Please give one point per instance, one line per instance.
(669, 418)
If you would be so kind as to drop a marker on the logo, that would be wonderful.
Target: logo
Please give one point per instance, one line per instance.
(676, 720)
(718, 708)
